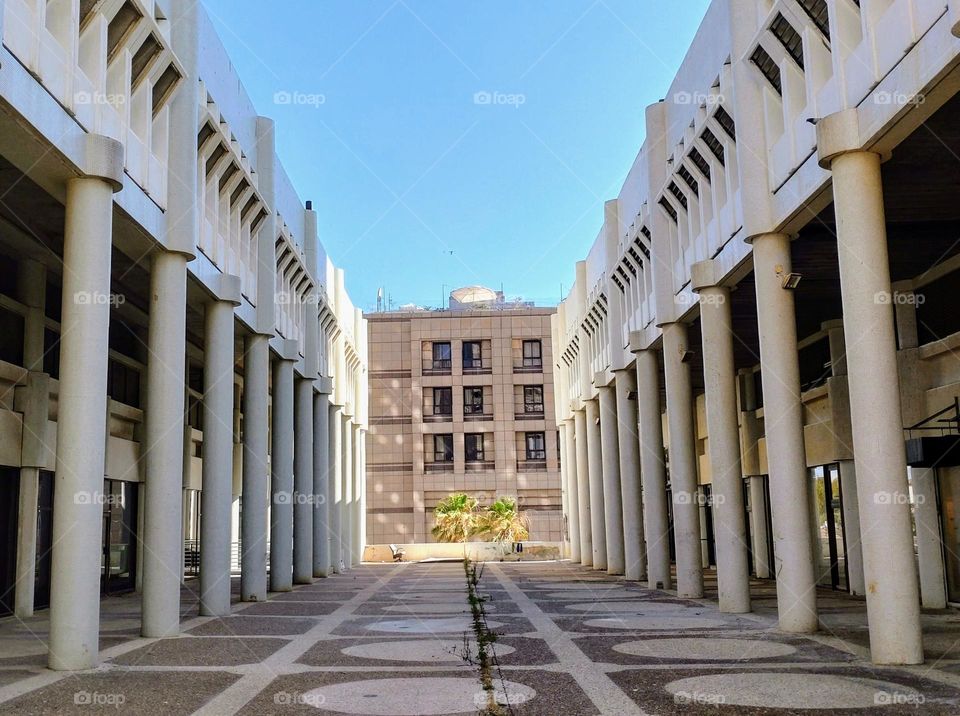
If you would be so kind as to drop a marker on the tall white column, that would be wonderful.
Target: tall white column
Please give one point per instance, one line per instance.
(303, 483)
(683, 460)
(163, 446)
(629, 444)
(723, 429)
(256, 468)
(583, 487)
(360, 497)
(595, 471)
(573, 496)
(216, 497)
(565, 548)
(81, 424)
(893, 599)
(653, 472)
(933, 593)
(321, 484)
(346, 528)
(281, 472)
(336, 488)
(612, 497)
(783, 422)
(31, 284)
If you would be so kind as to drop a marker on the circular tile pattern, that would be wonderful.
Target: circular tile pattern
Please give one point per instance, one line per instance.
(586, 593)
(789, 691)
(565, 584)
(448, 651)
(649, 623)
(426, 596)
(626, 607)
(706, 649)
(428, 626)
(430, 608)
(427, 696)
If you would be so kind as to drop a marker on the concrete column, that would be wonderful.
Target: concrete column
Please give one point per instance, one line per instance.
(595, 472)
(629, 443)
(893, 599)
(653, 472)
(583, 487)
(565, 547)
(81, 424)
(303, 483)
(216, 497)
(612, 497)
(758, 514)
(321, 484)
(356, 515)
(573, 495)
(281, 471)
(336, 488)
(783, 422)
(723, 421)
(346, 528)
(933, 593)
(683, 461)
(256, 468)
(163, 446)
(31, 284)
(361, 498)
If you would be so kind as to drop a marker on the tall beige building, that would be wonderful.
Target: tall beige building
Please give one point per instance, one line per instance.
(461, 401)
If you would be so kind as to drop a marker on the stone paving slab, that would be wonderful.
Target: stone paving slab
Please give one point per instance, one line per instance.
(291, 609)
(160, 693)
(814, 692)
(246, 625)
(202, 651)
(428, 625)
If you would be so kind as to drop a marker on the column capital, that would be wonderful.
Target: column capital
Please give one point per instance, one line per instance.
(840, 133)
(285, 349)
(704, 275)
(324, 385)
(98, 157)
(225, 287)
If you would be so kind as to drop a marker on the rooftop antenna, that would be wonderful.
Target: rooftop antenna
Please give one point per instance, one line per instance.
(380, 300)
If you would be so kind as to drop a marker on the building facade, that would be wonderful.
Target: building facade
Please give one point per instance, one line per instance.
(182, 374)
(460, 401)
(756, 367)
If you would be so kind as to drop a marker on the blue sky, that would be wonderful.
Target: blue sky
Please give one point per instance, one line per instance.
(449, 143)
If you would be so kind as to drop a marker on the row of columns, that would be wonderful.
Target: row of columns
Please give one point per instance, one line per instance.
(615, 443)
(310, 478)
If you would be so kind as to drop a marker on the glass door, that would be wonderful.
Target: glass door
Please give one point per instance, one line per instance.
(948, 481)
(829, 544)
(41, 593)
(118, 562)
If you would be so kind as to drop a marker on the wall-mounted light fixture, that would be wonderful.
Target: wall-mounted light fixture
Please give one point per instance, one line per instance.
(788, 281)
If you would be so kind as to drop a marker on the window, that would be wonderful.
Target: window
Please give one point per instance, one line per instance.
(532, 354)
(443, 448)
(474, 447)
(472, 354)
(536, 446)
(533, 399)
(443, 401)
(473, 401)
(441, 356)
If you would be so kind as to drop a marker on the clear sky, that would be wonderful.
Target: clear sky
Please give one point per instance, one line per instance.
(447, 142)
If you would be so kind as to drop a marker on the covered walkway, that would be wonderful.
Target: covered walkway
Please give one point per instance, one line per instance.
(402, 639)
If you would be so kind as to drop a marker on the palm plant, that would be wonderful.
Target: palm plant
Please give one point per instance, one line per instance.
(456, 518)
(503, 522)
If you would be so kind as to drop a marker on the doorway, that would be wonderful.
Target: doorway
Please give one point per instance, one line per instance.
(9, 509)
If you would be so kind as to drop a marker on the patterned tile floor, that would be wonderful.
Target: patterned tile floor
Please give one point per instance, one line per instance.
(398, 639)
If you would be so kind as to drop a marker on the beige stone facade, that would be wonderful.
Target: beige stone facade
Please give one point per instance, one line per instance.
(460, 401)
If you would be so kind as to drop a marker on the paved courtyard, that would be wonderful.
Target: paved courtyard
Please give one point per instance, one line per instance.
(403, 639)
